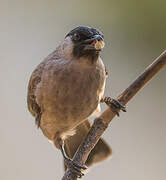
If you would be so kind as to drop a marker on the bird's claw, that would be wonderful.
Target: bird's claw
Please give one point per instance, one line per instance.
(114, 104)
(74, 167)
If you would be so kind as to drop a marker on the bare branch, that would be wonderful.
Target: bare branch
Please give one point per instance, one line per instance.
(101, 123)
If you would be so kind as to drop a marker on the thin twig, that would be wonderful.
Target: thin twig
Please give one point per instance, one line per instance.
(101, 123)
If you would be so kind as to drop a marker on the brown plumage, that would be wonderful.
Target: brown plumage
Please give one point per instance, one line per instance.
(66, 88)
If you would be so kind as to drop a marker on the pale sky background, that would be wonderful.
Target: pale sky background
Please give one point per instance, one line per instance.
(135, 34)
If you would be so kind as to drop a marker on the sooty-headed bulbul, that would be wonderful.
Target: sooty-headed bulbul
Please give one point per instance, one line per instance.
(66, 88)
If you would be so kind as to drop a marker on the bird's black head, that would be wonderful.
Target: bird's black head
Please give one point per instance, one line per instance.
(87, 41)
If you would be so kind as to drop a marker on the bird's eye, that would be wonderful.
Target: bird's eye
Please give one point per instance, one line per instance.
(76, 37)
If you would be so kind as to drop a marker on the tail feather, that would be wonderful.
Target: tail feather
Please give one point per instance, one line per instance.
(99, 153)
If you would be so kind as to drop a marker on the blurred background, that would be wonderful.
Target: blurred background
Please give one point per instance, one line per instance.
(135, 34)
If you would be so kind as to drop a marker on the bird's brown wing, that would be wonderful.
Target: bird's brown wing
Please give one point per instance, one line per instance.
(35, 79)
(31, 98)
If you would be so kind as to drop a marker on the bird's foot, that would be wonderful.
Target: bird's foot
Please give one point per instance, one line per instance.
(74, 167)
(114, 104)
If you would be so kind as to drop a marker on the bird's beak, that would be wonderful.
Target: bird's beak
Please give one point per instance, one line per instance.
(96, 42)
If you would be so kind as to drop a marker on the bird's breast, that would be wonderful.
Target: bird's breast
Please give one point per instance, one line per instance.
(71, 92)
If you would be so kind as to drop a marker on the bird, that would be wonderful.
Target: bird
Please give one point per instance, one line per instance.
(65, 89)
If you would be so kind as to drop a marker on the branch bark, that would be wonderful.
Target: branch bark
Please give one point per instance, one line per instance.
(101, 123)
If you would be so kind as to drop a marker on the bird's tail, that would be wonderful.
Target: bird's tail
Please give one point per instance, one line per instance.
(100, 152)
